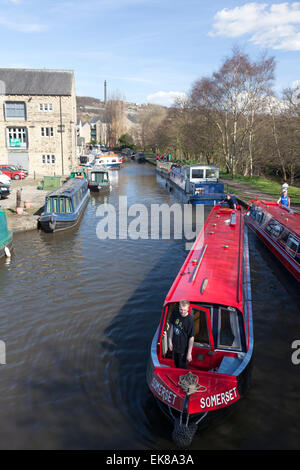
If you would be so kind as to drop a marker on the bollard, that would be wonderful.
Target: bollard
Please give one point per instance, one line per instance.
(18, 201)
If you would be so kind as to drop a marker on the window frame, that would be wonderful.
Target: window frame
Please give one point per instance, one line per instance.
(223, 347)
(206, 310)
(15, 117)
(197, 177)
(17, 132)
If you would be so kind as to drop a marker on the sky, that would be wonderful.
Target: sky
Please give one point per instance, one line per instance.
(148, 51)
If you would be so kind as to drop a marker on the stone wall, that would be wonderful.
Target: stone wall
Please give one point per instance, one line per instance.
(50, 113)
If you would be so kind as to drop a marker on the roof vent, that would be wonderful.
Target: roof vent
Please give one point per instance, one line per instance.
(233, 219)
(203, 285)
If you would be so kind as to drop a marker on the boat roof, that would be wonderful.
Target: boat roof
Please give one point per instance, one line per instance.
(208, 167)
(69, 187)
(97, 167)
(201, 167)
(285, 216)
(217, 256)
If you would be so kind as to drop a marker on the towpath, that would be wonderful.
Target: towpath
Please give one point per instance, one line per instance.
(245, 193)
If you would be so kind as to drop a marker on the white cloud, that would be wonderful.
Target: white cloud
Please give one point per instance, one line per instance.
(276, 25)
(21, 27)
(165, 98)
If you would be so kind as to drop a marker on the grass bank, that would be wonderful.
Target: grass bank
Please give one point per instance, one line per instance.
(264, 185)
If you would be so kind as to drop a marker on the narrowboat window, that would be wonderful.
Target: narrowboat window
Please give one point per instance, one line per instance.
(211, 173)
(201, 329)
(274, 228)
(259, 216)
(228, 330)
(292, 244)
(49, 205)
(197, 173)
(285, 236)
(93, 177)
(61, 204)
(253, 212)
(55, 205)
(68, 206)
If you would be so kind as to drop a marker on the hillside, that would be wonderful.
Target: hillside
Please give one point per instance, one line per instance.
(89, 107)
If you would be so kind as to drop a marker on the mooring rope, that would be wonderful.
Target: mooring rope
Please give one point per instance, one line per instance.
(189, 383)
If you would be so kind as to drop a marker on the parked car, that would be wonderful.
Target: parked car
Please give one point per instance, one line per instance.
(12, 172)
(4, 179)
(18, 167)
(4, 191)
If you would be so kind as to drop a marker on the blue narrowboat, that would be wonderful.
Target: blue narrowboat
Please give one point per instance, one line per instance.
(198, 184)
(6, 236)
(65, 206)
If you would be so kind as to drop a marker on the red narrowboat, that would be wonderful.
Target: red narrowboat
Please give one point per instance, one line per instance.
(279, 228)
(215, 279)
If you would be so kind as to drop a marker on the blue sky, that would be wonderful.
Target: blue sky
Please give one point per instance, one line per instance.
(147, 50)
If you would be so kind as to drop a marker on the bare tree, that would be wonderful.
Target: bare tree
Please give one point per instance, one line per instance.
(233, 95)
(115, 113)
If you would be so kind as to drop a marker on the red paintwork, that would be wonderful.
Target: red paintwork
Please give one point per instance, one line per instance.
(287, 218)
(217, 390)
(224, 251)
(222, 265)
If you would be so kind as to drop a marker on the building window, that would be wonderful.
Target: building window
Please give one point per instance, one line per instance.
(15, 110)
(48, 159)
(47, 132)
(17, 137)
(48, 107)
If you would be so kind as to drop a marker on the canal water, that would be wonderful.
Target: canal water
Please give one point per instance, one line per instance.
(78, 314)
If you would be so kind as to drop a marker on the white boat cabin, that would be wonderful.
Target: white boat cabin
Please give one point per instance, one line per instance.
(202, 173)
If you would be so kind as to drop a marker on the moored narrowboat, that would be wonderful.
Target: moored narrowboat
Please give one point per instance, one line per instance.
(164, 167)
(78, 172)
(65, 206)
(6, 236)
(197, 184)
(140, 157)
(98, 179)
(279, 229)
(109, 160)
(215, 280)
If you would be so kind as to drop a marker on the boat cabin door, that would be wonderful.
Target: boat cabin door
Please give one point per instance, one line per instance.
(202, 354)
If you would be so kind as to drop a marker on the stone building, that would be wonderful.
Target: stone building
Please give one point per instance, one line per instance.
(38, 120)
(99, 130)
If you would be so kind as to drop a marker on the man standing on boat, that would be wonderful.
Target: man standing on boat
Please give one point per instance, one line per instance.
(181, 337)
(284, 199)
(230, 200)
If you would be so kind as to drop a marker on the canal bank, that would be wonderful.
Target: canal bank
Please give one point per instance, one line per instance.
(32, 203)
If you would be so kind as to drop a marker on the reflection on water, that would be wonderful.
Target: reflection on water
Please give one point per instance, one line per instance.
(78, 315)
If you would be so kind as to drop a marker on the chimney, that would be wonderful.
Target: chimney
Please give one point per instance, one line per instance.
(105, 96)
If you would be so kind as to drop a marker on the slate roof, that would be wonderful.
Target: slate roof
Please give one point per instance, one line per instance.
(37, 82)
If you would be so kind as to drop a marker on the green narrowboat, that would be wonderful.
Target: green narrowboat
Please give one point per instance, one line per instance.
(6, 236)
(78, 173)
(98, 179)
